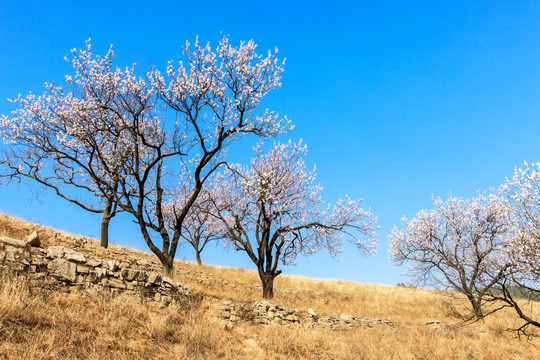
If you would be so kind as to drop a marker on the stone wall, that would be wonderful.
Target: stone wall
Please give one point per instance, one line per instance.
(346, 321)
(264, 312)
(60, 266)
(256, 313)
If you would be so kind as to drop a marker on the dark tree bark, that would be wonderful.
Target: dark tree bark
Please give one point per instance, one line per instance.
(267, 280)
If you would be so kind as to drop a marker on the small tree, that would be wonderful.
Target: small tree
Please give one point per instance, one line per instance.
(200, 226)
(72, 140)
(458, 245)
(273, 211)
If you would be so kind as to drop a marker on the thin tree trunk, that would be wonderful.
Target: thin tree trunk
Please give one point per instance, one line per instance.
(104, 236)
(104, 242)
(198, 256)
(477, 308)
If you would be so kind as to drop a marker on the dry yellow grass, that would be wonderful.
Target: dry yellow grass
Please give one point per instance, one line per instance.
(77, 325)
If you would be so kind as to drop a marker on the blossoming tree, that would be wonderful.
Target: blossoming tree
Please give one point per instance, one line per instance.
(459, 245)
(74, 140)
(273, 211)
(523, 192)
(200, 227)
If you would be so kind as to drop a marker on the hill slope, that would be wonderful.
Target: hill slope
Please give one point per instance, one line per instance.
(73, 323)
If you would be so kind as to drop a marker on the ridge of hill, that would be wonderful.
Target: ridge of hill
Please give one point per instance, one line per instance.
(218, 321)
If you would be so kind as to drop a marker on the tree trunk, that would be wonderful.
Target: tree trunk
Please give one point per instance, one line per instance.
(267, 284)
(476, 307)
(107, 216)
(168, 266)
(198, 256)
(104, 241)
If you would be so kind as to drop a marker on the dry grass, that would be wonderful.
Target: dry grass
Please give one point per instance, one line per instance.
(80, 325)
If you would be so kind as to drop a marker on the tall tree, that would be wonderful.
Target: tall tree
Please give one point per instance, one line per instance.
(273, 211)
(215, 99)
(457, 245)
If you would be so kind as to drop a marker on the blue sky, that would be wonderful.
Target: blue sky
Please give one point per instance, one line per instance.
(397, 101)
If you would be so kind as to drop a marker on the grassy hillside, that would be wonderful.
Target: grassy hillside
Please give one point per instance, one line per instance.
(74, 324)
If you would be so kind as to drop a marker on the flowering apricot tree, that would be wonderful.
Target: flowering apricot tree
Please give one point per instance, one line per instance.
(75, 140)
(460, 244)
(200, 227)
(273, 211)
(523, 192)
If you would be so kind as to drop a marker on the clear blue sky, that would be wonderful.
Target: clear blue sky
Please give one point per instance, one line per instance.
(397, 101)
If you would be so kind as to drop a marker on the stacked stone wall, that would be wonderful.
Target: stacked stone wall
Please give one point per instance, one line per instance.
(61, 266)
(263, 312)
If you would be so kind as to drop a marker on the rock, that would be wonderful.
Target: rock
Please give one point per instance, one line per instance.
(168, 282)
(38, 260)
(113, 265)
(25, 263)
(142, 276)
(312, 313)
(154, 279)
(118, 284)
(10, 256)
(82, 269)
(55, 252)
(292, 318)
(73, 256)
(62, 269)
(128, 274)
(32, 239)
(93, 262)
(12, 242)
(346, 318)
